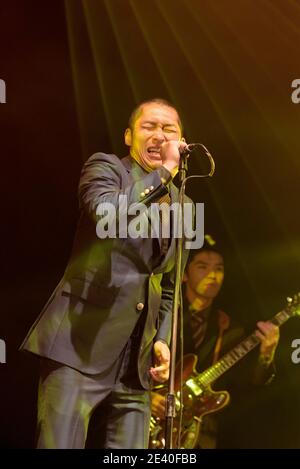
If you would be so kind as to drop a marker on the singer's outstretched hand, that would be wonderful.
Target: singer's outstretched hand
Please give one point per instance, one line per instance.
(160, 371)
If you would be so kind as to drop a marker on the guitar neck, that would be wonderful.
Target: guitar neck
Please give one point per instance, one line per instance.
(237, 353)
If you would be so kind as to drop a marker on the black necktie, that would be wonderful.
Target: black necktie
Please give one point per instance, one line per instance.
(198, 326)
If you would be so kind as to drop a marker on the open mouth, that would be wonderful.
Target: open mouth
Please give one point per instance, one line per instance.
(154, 152)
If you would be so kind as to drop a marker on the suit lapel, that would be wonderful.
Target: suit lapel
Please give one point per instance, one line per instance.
(135, 172)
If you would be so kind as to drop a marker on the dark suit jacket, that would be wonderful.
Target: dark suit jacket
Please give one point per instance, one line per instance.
(240, 380)
(108, 283)
(232, 336)
(245, 372)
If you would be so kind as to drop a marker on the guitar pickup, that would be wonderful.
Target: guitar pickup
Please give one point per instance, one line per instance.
(194, 387)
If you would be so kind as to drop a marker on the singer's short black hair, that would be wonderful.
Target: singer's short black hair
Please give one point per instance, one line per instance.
(138, 109)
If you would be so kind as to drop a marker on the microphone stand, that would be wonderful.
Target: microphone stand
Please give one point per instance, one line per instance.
(171, 398)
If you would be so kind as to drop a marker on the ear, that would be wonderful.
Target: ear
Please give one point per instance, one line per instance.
(182, 139)
(184, 278)
(128, 137)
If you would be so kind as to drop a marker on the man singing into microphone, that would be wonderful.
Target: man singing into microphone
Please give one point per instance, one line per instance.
(104, 333)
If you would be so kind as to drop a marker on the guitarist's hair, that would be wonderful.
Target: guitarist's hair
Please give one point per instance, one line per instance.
(207, 247)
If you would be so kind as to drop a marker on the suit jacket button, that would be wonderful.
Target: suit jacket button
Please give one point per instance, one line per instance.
(140, 306)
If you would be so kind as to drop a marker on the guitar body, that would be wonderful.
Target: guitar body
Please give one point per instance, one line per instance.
(198, 398)
(196, 403)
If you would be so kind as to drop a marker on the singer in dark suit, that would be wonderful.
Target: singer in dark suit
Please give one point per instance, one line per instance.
(103, 335)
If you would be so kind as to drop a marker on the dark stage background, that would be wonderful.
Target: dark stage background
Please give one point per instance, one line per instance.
(73, 71)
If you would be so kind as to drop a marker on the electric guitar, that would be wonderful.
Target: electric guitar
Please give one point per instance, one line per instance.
(198, 399)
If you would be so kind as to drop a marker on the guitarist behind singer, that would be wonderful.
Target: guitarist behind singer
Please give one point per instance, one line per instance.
(210, 333)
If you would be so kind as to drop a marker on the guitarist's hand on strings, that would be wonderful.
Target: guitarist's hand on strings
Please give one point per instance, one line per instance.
(268, 334)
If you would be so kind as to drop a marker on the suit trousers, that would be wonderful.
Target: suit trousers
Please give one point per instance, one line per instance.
(68, 398)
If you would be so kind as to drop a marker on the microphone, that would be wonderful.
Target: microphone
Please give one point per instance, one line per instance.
(190, 148)
(185, 152)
